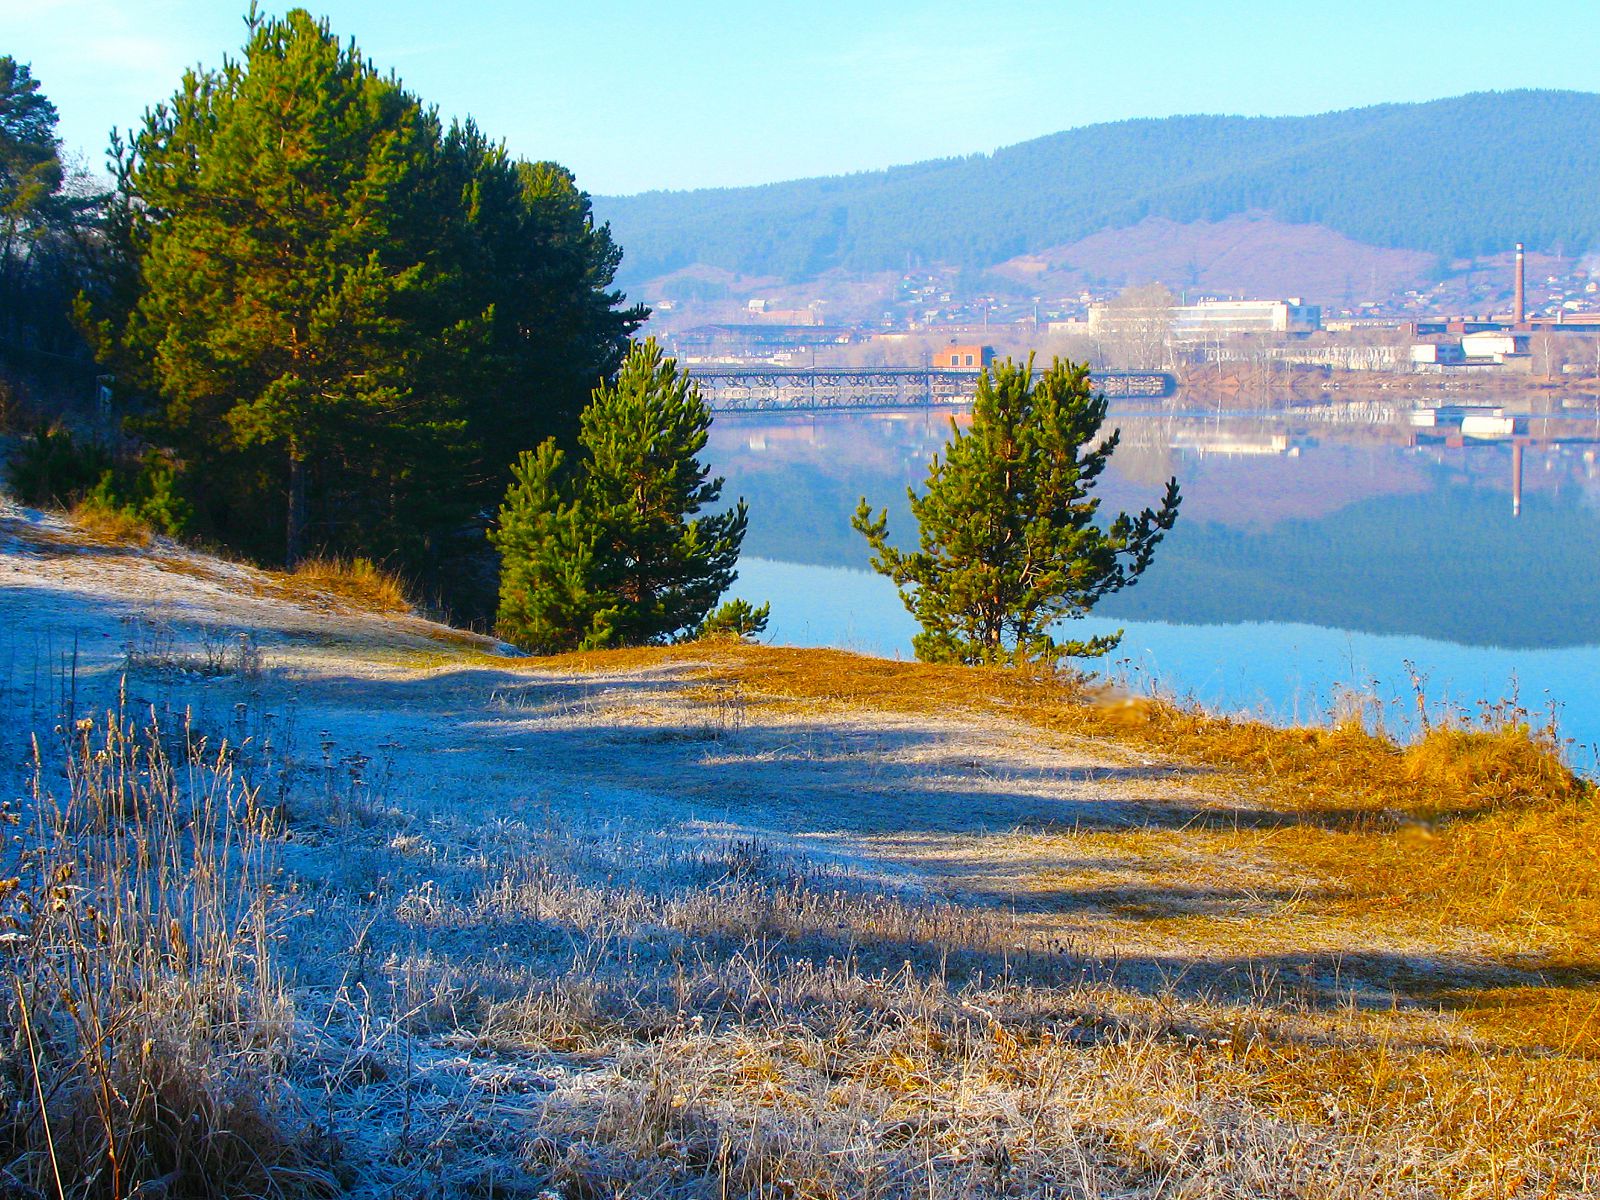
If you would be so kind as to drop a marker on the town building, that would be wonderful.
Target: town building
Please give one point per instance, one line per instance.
(1437, 353)
(959, 355)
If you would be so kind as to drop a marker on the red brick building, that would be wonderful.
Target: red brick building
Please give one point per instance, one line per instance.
(961, 356)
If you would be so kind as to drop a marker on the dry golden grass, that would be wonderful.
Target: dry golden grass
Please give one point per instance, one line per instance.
(529, 1002)
(1466, 828)
(109, 525)
(757, 1027)
(358, 581)
(1336, 769)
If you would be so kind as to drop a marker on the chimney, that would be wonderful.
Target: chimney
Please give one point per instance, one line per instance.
(1518, 311)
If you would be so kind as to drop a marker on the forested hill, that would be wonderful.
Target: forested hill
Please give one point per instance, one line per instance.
(1453, 177)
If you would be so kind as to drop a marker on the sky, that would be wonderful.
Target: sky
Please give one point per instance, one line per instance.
(678, 94)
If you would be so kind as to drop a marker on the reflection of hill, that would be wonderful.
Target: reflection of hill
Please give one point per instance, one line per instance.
(1452, 565)
(804, 516)
(803, 481)
(1358, 533)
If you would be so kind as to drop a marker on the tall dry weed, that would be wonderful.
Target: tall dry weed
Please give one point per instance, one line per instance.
(146, 1019)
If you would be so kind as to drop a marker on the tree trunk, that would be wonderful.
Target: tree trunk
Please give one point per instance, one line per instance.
(295, 536)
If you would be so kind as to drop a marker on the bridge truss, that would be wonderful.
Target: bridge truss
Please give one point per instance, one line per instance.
(753, 389)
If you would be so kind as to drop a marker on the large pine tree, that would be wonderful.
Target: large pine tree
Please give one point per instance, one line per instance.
(286, 293)
(619, 551)
(348, 317)
(1010, 543)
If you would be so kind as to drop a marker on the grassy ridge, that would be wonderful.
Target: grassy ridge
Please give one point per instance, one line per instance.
(402, 920)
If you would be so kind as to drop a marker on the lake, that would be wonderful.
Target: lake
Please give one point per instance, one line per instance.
(1318, 553)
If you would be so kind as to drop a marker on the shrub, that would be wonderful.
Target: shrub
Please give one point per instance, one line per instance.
(53, 467)
(737, 619)
(156, 499)
(117, 501)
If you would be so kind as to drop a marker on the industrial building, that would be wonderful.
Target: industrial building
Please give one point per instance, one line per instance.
(1210, 318)
(1517, 321)
(1437, 354)
(1497, 344)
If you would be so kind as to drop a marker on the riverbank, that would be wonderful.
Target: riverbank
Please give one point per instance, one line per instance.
(740, 920)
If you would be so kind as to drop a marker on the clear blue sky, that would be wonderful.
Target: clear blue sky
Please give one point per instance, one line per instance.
(687, 93)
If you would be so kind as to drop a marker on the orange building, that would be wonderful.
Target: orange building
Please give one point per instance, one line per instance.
(960, 356)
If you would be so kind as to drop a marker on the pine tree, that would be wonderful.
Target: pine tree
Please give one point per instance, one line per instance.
(30, 163)
(47, 213)
(737, 618)
(617, 553)
(1009, 542)
(547, 561)
(343, 313)
(287, 287)
(532, 257)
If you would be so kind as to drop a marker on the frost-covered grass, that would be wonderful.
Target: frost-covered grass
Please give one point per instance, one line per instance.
(363, 915)
(146, 1006)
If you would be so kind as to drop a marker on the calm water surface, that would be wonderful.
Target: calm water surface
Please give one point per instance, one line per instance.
(1312, 556)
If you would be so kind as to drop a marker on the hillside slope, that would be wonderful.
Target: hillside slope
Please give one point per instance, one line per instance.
(737, 921)
(1448, 178)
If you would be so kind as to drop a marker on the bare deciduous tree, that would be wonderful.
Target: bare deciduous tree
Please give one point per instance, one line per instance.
(1135, 329)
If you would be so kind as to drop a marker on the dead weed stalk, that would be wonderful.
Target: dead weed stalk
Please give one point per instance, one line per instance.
(141, 927)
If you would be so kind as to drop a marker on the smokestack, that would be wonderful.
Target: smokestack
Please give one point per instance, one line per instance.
(1518, 311)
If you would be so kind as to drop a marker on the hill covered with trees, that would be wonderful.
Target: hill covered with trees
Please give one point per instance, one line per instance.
(1453, 178)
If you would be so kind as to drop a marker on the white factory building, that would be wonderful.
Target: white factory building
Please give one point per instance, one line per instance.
(1212, 318)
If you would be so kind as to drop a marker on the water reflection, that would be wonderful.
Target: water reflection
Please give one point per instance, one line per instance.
(1314, 548)
(1380, 528)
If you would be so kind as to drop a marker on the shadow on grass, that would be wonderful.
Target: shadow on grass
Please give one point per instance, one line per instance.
(904, 778)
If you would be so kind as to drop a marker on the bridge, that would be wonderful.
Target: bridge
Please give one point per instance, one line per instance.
(764, 388)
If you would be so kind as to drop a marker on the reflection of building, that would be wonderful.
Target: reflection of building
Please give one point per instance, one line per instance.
(1210, 318)
(1516, 454)
(1211, 442)
(1456, 421)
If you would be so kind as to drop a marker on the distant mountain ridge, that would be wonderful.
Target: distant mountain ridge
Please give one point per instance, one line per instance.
(1452, 178)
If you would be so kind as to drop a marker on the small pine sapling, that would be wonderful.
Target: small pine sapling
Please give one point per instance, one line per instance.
(1009, 541)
